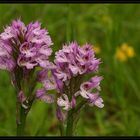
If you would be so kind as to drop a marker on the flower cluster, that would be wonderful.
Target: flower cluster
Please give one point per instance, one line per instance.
(25, 46)
(25, 51)
(72, 62)
(22, 48)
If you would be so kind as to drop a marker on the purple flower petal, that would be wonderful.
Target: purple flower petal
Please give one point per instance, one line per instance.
(60, 114)
(73, 102)
(21, 97)
(41, 95)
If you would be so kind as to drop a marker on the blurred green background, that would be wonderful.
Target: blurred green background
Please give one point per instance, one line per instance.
(105, 25)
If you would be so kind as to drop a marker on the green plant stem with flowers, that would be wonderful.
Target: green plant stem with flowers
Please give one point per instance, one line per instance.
(24, 54)
(26, 84)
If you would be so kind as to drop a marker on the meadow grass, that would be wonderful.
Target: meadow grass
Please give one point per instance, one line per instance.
(108, 25)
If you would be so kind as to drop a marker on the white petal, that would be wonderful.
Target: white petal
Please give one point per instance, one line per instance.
(99, 103)
(77, 93)
(60, 102)
(84, 93)
(66, 97)
(64, 102)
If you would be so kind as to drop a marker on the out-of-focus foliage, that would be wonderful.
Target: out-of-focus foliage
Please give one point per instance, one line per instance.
(107, 26)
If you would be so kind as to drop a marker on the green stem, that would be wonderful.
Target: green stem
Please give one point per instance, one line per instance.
(70, 119)
(61, 127)
(21, 118)
(69, 129)
(79, 106)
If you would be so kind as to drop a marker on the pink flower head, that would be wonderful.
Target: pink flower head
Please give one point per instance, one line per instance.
(73, 62)
(26, 46)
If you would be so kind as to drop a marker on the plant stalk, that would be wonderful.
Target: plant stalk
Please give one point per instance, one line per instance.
(70, 119)
(21, 119)
(61, 127)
